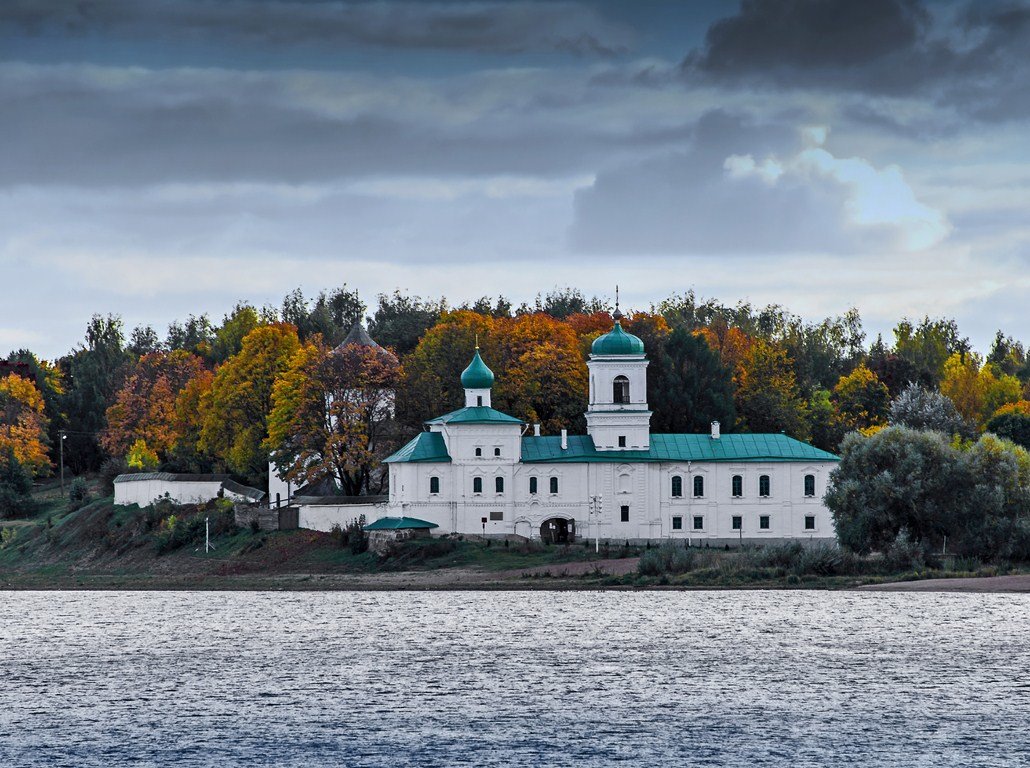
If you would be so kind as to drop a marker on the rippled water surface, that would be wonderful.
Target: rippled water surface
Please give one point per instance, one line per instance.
(524, 678)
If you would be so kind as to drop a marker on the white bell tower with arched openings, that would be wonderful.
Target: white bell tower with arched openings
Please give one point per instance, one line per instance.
(618, 418)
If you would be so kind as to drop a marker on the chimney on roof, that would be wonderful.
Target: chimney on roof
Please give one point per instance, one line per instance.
(715, 430)
(565, 439)
(536, 430)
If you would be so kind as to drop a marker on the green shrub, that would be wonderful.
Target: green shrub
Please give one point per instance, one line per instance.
(665, 559)
(15, 487)
(78, 494)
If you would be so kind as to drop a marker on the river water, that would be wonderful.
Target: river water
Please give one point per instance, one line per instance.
(514, 678)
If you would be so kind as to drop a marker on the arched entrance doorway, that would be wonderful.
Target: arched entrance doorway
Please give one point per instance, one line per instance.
(558, 530)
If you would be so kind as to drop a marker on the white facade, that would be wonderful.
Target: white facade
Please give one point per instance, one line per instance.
(486, 477)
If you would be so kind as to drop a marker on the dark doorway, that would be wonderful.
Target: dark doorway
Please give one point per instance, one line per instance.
(558, 530)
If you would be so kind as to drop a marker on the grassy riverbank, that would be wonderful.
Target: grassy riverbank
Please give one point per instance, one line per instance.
(102, 546)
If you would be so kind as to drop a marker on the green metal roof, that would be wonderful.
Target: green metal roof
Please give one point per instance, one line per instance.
(477, 375)
(425, 447)
(617, 342)
(475, 414)
(398, 523)
(700, 447)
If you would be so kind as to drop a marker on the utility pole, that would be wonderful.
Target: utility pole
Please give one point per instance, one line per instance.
(207, 534)
(63, 438)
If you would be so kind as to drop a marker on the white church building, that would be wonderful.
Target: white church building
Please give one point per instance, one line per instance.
(477, 471)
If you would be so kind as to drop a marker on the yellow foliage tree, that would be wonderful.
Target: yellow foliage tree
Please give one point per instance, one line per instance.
(140, 457)
(236, 408)
(861, 400)
(23, 424)
(975, 390)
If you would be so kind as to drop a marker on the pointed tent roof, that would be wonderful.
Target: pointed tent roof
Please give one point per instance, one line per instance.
(358, 335)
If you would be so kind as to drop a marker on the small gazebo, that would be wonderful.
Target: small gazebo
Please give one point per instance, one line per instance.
(387, 529)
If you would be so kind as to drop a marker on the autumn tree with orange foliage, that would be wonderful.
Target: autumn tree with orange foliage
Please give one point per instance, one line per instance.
(235, 410)
(332, 416)
(23, 424)
(144, 406)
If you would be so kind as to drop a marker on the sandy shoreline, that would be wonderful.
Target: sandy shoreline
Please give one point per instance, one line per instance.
(986, 584)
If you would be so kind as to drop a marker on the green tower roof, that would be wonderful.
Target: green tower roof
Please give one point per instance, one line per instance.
(477, 375)
(617, 342)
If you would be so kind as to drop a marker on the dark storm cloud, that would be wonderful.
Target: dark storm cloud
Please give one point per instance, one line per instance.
(974, 59)
(92, 126)
(494, 27)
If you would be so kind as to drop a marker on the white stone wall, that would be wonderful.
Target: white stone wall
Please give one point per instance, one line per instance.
(645, 488)
(145, 492)
(324, 517)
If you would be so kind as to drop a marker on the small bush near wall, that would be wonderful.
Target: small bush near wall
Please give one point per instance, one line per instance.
(79, 495)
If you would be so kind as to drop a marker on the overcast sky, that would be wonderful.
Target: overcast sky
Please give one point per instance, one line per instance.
(166, 157)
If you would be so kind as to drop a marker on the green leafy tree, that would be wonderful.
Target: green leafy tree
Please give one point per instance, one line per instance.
(928, 345)
(15, 486)
(400, 321)
(1013, 426)
(92, 375)
(691, 387)
(228, 339)
(898, 481)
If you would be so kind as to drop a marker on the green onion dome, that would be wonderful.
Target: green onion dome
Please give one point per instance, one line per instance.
(477, 375)
(617, 342)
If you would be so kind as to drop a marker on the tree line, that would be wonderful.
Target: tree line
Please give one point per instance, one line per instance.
(271, 381)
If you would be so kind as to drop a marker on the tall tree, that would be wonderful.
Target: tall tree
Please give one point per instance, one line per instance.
(23, 424)
(144, 406)
(237, 407)
(228, 339)
(92, 375)
(688, 386)
(767, 397)
(332, 416)
(861, 400)
(400, 321)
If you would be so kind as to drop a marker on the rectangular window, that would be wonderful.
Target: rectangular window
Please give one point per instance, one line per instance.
(699, 523)
(738, 522)
(499, 484)
(625, 514)
(677, 523)
(554, 485)
(434, 485)
(763, 485)
(809, 522)
(699, 486)
(479, 400)
(738, 486)
(622, 441)
(763, 522)
(809, 485)
(477, 485)
(496, 514)
(532, 485)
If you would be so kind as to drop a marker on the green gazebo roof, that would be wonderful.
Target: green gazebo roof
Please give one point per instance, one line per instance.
(399, 524)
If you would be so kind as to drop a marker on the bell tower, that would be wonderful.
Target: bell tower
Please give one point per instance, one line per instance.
(618, 418)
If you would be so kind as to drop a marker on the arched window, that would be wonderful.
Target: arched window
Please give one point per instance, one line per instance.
(677, 486)
(532, 485)
(763, 485)
(479, 451)
(738, 486)
(497, 451)
(434, 485)
(477, 485)
(620, 390)
(810, 485)
(499, 484)
(554, 485)
(699, 485)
